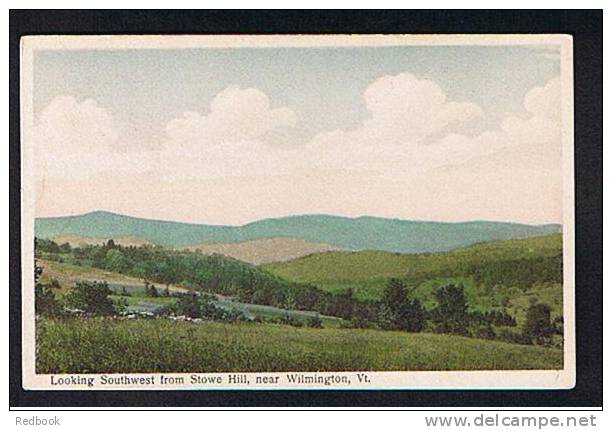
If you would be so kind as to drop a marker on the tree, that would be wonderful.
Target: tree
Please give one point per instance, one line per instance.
(115, 261)
(153, 291)
(363, 315)
(451, 313)
(65, 248)
(398, 311)
(342, 304)
(45, 302)
(150, 289)
(204, 306)
(91, 297)
(189, 305)
(538, 326)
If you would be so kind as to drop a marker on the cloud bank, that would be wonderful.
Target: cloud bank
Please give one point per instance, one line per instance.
(409, 158)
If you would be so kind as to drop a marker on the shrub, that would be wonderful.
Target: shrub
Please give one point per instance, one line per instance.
(91, 297)
(45, 302)
(204, 307)
(314, 322)
(537, 326)
(290, 320)
(451, 314)
(398, 311)
(512, 336)
(482, 331)
(558, 326)
(500, 318)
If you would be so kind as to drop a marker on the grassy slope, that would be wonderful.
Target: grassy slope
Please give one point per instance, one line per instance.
(366, 265)
(97, 345)
(263, 251)
(368, 271)
(68, 274)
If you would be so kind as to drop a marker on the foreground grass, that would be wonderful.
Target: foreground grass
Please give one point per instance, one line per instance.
(105, 346)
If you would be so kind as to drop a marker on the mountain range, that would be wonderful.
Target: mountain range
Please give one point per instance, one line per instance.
(366, 232)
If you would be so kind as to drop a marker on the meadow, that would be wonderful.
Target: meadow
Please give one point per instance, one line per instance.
(499, 274)
(69, 274)
(468, 309)
(104, 345)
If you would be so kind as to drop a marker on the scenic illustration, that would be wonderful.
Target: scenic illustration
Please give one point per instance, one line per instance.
(294, 208)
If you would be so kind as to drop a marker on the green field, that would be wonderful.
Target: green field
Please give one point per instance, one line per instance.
(346, 268)
(98, 345)
(495, 274)
(68, 274)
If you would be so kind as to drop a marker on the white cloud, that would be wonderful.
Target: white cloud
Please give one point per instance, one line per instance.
(545, 101)
(405, 160)
(69, 126)
(80, 139)
(235, 115)
(406, 109)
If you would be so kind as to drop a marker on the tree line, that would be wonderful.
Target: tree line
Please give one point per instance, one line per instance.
(398, 309)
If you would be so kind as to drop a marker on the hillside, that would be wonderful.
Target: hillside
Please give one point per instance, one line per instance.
(507, 273)
(75, 240)
(365, 265)
(263, 251)
(361, 233)
(170, 346)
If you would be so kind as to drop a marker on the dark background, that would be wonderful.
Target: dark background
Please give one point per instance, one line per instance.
(587, 28)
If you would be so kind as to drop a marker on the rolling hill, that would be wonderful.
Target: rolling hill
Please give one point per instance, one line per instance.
(263, 251)
(365, 265)
(75, 240)
(361, 233)
(508, 273)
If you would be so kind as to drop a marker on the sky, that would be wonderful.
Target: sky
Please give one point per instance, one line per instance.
(233, 135)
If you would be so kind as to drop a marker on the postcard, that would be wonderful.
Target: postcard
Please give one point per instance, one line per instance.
(297, 212)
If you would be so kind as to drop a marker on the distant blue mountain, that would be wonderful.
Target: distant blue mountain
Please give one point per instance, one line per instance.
(365, 232)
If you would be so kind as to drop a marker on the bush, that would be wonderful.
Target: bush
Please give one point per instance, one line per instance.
(451, 314)
(537, 326)
(121, 305)
(91, 297)
(364, 314)
(150, 289)
(203, 307)
(557, 326)
(288, 319)
(483, 331)
(398, 311)
(45, 302)
(500, 318)
(314, 322)
(513, 337)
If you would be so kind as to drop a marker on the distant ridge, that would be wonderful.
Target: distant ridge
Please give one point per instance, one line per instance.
(365, 232)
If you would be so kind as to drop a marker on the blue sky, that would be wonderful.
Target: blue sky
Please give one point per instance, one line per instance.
(322, 85)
